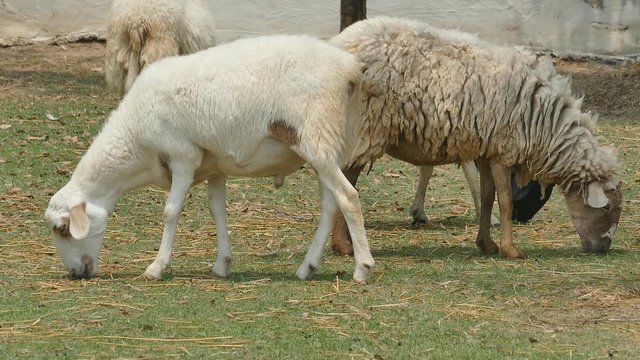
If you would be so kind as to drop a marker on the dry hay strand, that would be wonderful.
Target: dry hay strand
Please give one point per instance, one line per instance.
(549, 235)
(468, 311)
(324, 312)
(261, 213)
(609, 309)
(213, 342)
(524, 302)
(253, 316)
(213, 284)
(325, 322)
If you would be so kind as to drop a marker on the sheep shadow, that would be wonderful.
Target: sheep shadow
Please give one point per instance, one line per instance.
(326, 274)
(471, 252)
(450, 221)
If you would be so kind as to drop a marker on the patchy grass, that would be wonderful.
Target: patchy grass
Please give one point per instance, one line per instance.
(432, 295)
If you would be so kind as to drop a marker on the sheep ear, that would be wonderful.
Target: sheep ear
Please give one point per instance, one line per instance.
(79, 224)
(597, 198)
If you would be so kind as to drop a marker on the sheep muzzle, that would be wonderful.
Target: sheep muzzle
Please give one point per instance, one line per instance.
(596, 226)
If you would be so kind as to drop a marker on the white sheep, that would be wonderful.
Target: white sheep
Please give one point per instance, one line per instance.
(253, 107)
(140, 32)
(435, 96)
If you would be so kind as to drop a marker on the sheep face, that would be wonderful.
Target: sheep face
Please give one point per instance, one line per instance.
(78, 232)
(596, 217)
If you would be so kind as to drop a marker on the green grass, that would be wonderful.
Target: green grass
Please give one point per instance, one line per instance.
(432, 294)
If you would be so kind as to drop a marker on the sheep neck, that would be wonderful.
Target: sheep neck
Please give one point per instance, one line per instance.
(111, 167)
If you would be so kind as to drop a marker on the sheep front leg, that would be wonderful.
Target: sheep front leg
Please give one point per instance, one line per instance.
(417, 209)
(487, 194)
(216, 188)
(502, 179)
(341, 240)
(471, 175)
(181, 181)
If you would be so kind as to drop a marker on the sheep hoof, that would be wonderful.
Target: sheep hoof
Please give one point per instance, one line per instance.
(361, 275)
(222, 267)
(488, 247)
(153, 272)
(511, 252)
(419, 218)
(416, 222)
(306, 270)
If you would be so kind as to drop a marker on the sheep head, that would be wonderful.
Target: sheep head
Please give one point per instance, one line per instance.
(78, 231)
(595, 213)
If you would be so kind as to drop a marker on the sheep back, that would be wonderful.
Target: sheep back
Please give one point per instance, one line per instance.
(232, 101)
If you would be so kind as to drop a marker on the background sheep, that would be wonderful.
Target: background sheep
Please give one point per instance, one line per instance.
(417, 212)
(437, 96)
(229, 110)
(140, 32)
(527, 200)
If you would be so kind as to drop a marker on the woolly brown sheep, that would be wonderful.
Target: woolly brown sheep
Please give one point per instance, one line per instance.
(434, 96)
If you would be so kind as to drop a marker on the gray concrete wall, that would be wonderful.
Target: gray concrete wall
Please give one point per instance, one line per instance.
(605, 27)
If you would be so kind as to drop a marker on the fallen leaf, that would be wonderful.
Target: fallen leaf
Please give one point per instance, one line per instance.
(391, 174)
(3, 160)
(5, 126)
(37, 137)
(71, 139)
(459, 209)
(51, 117)
(61, 170)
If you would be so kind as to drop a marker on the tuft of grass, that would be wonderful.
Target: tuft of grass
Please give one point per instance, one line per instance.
(432, 294)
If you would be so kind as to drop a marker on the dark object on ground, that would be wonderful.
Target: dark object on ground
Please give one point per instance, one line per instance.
(527, 201)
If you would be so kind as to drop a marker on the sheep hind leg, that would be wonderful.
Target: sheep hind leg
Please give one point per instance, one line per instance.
(217, 206)
(181, 180)
(471, 175)
(487, 193)
(349, 202)
(341, 239)
(417, 208)
(502, 179)
(313, 258)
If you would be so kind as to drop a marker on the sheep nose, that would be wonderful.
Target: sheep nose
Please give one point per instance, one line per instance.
(603, 247)
(78, 273)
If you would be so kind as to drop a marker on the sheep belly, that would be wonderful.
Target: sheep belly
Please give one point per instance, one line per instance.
(410, 152)
(268, 158)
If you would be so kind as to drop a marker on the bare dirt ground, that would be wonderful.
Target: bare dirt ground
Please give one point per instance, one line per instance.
(613, 91)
